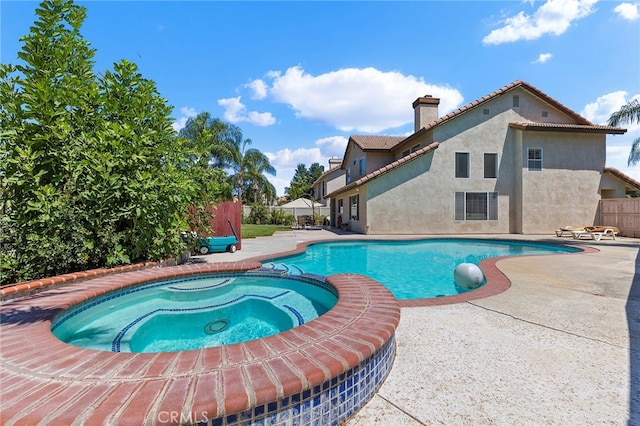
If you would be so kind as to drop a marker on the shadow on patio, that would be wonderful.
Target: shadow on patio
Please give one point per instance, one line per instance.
(633, 320)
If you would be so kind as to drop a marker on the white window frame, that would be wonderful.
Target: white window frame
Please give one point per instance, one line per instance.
(461, 206)
(532, 162)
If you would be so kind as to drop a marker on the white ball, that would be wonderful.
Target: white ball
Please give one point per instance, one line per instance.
(468, 275)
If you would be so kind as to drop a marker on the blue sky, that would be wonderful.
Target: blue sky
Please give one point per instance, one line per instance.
(299, 77)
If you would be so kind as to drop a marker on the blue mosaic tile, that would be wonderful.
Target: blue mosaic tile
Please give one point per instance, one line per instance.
(296, 313)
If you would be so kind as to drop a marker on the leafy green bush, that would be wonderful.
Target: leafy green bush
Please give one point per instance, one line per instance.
(92, 172)
(280, 217)
(259, 214)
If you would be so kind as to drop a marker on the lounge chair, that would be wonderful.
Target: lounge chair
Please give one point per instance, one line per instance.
(596, 232)
(568, 229)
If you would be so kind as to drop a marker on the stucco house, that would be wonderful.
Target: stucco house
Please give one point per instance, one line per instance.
(331, 180)
(514, 161)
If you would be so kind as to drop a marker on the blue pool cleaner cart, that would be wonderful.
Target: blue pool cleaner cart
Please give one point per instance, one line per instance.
(220, 244)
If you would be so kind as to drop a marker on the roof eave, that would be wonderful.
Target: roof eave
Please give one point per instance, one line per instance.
(383, 170)
(551, 127)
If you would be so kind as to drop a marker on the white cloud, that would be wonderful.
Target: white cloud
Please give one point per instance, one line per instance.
(354, 99)
(542, 58)
(618, 146)
(599, 111)
(553, 17)
(186, 114)
(236, 111)
(628, 11)
(286, 160)
(259, 88)
(333, 146)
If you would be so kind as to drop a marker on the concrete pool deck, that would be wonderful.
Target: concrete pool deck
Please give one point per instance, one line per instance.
(560, 346)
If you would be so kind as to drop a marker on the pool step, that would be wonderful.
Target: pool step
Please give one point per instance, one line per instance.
(288, 269)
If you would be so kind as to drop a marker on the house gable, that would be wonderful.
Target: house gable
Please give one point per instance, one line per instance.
(494, 136)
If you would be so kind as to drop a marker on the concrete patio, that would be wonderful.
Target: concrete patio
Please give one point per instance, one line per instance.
(559, 347)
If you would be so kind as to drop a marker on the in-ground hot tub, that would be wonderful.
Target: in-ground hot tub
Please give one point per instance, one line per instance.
(319, 372)
(193, 312)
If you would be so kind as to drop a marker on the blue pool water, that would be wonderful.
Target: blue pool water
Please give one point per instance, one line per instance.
(410, 269)
(194, 312)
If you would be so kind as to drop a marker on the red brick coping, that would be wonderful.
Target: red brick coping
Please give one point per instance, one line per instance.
(47, 381)
(33, 286)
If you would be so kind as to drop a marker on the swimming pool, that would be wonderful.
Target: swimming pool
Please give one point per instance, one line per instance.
(194, 312)
(413, 269)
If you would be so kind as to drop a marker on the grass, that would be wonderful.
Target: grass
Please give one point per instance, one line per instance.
(252, 231)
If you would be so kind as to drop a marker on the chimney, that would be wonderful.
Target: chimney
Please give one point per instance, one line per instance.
(334, 162)
(426, 111)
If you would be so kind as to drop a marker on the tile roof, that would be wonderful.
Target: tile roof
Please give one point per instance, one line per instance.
(562, 127)
(367, 143)
(518, 83)
(417, 153)
(623, 177)
(582, 124)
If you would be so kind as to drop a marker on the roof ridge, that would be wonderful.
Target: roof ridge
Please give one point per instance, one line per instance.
(517, 83)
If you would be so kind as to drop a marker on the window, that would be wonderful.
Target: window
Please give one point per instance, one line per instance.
(340, 206)
(354, 207)
(362, 166)
(476, 206)
(490, 166)
(462, 164)
(486, 111)
(534, 159)
(324, 188)
(348, 175)
(516, 101)
(411, 150)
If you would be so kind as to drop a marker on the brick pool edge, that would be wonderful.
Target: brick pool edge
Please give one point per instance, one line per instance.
(46, 380)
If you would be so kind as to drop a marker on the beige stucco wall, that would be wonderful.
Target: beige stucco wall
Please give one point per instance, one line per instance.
(419, 196)
(566, 192)
(612, 187)
(376, 160)
(354, 225)
(354, 154)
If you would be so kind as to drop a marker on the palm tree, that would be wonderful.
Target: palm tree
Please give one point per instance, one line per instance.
(249, 166)
(209, 138)
(629, 113)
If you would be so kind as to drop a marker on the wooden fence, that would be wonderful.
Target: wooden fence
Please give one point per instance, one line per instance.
(624, 213)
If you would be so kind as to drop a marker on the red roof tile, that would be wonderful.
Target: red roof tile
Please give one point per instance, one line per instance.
(560, 127)
(368, 143)
(626, 179)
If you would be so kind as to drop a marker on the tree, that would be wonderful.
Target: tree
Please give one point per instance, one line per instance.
(629, 113)
(302, 181)
(249, 167)
(221, 145)
(210, 139)
(93, 175)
